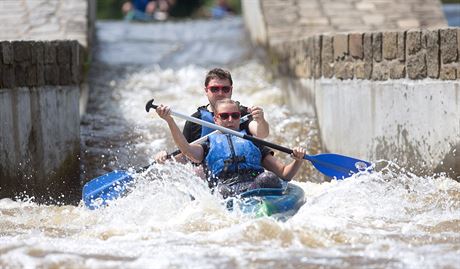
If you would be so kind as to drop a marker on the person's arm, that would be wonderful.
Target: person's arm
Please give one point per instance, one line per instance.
(286, 172)
(192, 151)
(258, 126)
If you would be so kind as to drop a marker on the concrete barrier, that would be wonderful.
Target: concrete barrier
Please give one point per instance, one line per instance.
(389, 94)
(39, 119)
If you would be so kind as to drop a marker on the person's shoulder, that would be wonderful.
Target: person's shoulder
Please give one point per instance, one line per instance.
(243, 109)
(197, 113)
(242, 106)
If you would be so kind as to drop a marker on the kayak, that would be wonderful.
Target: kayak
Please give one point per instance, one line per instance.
(284, 201)
(281, 202)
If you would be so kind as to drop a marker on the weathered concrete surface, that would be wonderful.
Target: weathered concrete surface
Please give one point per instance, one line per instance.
(47, 20)
(28, 63)
(40, 83)
(40, 120)
(291, 20)
(40, 143)
(388, 94)
(413, 54)
(252, 14)
(415, 123)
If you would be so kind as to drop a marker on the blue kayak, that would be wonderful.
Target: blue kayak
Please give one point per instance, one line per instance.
(284, 201)
(258, 202)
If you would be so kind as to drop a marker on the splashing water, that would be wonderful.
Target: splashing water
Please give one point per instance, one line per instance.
(379, 220)
(387, 219)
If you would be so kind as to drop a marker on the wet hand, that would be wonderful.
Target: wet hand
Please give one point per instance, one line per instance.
(298, 153)
(257, 113)
(161, 157)
(164, 112)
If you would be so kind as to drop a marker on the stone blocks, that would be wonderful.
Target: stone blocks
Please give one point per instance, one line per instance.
(412, 54)
(327, 56)
(38, 63)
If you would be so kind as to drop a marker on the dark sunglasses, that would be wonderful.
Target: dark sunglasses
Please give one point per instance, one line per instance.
(225, 115)
(224, 89)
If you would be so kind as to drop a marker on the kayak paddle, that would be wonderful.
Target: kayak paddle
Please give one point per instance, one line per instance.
(98, 191)
(332, 165)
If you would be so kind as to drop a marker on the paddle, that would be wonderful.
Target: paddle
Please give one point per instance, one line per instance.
(110, 186)
(332, 165)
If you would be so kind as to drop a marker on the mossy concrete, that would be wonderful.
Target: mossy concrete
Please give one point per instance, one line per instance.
(40, 142)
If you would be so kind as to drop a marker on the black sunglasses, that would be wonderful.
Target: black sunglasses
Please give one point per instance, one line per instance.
(224, 89)
(225, 115)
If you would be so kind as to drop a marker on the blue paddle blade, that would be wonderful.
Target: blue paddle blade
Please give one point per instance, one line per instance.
(338, 166)
(107, 187)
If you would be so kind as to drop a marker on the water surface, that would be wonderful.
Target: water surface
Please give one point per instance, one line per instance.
(389, 219)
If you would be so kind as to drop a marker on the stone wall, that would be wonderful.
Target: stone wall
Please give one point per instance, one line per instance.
(42, 94)
(412, 54)
(29, 63)
(50, 20)
(39, 119)
(379, 90)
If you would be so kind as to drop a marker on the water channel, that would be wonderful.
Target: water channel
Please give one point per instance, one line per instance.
(388, 219)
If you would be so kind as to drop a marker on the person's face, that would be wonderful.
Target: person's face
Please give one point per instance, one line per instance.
(218, 89)
(228, 116)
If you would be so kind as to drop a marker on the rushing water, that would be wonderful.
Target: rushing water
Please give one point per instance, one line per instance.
(389, 219)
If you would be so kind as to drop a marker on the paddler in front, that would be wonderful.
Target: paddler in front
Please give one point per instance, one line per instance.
(233, 164)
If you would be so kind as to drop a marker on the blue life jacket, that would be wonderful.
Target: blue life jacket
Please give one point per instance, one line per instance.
(140, 4)
(206, 116)
(230, 156)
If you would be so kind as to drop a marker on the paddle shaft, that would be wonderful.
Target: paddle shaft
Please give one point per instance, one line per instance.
(229, 131)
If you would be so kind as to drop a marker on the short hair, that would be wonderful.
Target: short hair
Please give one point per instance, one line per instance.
(218, 73)
(227, 101)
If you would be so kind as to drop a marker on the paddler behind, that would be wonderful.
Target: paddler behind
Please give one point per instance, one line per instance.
(234, 164)
(218, 85)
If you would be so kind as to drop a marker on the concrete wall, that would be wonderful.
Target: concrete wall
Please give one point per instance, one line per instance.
(46, 20)
(414, 123)
(42, 94)
(39, 119)
(391, 95)
(412, 54)
(290, 20)
(49, 20)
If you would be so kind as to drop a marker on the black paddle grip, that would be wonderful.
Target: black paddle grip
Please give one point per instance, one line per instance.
(150, 105)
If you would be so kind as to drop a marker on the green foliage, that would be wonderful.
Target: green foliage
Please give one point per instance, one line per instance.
(185, 8)
(236, 5)
(450, 1)
(109, 9)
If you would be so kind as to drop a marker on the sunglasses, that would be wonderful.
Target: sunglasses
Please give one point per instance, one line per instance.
(225, 115)
(224, 89)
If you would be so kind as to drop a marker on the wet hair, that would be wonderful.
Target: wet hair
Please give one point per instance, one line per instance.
(227, 101)
(218, 73)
